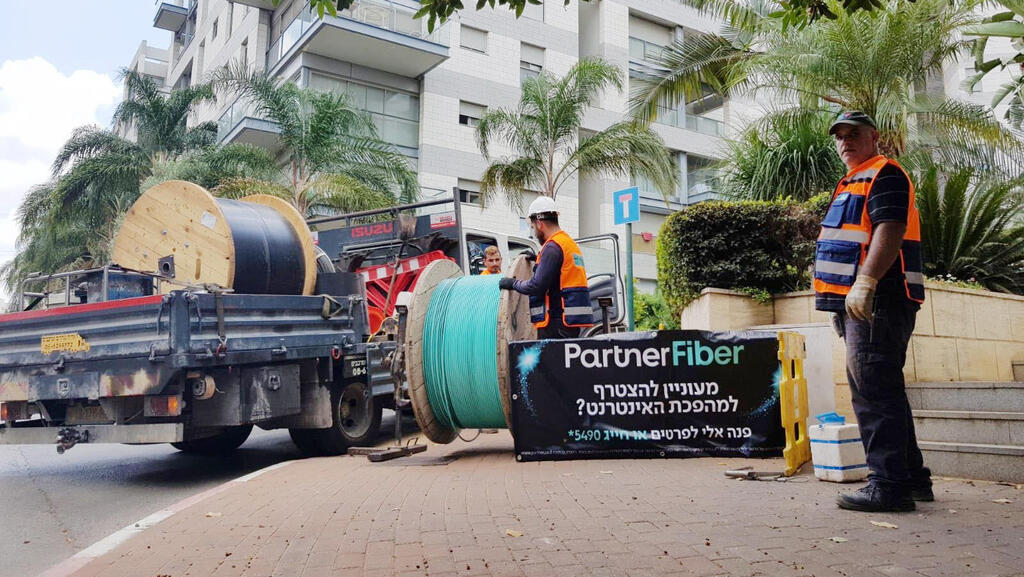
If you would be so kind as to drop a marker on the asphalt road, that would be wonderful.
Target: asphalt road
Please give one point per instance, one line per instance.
(52, 506)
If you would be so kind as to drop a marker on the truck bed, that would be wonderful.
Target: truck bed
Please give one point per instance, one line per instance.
(134, 346)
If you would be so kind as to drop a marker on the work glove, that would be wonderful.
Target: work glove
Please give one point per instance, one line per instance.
(506, 283)
(860, 300)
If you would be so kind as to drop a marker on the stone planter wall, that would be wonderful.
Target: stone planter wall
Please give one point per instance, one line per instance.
(961, 334)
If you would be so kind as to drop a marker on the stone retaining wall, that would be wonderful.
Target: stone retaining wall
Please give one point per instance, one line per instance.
(961, 334)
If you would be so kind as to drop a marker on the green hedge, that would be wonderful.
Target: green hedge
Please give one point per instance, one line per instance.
(760, 248)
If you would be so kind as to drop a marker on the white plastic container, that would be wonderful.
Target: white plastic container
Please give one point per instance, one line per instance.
(837, 452)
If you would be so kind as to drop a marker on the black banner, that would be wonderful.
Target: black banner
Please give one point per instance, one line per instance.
(653, 394)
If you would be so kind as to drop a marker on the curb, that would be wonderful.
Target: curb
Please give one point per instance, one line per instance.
(110, 542)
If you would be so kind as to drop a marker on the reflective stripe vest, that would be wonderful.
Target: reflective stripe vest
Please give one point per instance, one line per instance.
(576, 309)
(846, 235)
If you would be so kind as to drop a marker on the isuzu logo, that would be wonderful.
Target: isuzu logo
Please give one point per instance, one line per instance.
(63, 388)
(372, 230)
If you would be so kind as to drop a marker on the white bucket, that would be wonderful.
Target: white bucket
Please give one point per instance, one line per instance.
(837, 452)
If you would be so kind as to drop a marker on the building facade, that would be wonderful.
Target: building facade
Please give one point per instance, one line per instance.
(426, 90)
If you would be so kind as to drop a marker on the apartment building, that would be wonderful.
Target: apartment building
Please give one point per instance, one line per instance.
(426, 90)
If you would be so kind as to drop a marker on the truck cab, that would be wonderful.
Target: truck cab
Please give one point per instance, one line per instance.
(375, 238)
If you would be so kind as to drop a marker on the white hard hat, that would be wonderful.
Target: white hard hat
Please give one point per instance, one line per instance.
(542, 204)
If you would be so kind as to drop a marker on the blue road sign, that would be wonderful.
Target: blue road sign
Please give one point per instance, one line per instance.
(626, 204)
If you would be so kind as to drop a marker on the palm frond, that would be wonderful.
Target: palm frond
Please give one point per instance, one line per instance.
(622, 150)
(971, 227)
(688, 70)
(512, 178)
(787, 154)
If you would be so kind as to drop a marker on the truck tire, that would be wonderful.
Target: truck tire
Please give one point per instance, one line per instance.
(221, 443)
(306, 441)
(355, 416)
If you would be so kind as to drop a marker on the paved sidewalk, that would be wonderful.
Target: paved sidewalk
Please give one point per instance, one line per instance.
(470, 509)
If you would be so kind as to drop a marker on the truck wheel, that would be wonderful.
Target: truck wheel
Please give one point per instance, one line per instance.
(355, 419)
(305, 440)
(221, 443)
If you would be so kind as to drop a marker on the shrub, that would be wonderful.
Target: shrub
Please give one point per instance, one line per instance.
(652, 311)
(751, 246)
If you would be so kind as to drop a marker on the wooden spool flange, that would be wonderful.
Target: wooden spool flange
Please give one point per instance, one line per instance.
(183, 220)
(513, 325)
(427, 281)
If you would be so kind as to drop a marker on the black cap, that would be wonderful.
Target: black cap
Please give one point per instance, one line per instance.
(853, 117)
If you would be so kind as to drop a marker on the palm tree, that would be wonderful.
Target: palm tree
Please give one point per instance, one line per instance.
(544, 132)
(335, 160)
(1005, 24)
(787, 154)
(972, 227)
(875, 62)
(214, 166)
(160, 120)
(70, 221)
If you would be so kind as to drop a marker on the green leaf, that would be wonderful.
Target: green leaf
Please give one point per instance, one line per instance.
(1011, 29)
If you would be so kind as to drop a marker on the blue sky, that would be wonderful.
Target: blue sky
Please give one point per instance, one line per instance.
(59, 61)
(98, 35)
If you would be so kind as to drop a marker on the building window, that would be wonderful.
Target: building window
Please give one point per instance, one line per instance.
(531, 61)
(648, 38)
(649, 192)
(396, 114)
(469, 192)
(243, 55)
(645, 51)
(473, 39)
(213, 34)
(701, 178)
(470, 114)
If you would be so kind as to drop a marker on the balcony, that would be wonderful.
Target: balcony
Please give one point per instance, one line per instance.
(378, 34)
(705, 125)
(240, 124)
(696, 123)
(171, 14)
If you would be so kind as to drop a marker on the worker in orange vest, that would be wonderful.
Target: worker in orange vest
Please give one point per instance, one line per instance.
(559, 294)
(492, 260)
(868, 272)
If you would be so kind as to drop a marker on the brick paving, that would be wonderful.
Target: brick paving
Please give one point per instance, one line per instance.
(450, 511)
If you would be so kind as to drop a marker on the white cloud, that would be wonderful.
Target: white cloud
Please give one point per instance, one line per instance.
(39, 107)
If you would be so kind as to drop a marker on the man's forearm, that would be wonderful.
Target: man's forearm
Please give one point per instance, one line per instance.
(885, 247)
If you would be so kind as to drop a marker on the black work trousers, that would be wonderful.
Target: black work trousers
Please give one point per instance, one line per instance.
(875, 354)
(556, 330)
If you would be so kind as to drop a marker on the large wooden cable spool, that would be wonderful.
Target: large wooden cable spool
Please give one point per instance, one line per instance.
(257, 245)
(513, 325)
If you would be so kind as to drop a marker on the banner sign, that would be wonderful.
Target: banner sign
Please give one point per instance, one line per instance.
(648, 394)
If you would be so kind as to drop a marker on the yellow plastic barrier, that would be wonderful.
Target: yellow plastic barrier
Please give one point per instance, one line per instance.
(793, 394)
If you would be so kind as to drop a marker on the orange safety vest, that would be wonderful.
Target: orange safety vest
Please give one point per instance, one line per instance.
(576, 308)
(485, 271)
(846, 235)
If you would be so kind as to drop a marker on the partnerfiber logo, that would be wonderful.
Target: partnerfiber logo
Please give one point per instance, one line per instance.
(688, 353)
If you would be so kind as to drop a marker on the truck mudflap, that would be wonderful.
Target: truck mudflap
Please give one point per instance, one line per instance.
(68, 436)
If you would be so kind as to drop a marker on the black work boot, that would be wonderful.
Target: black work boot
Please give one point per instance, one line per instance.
(875, 499)
(922, 483)
(922, 494)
